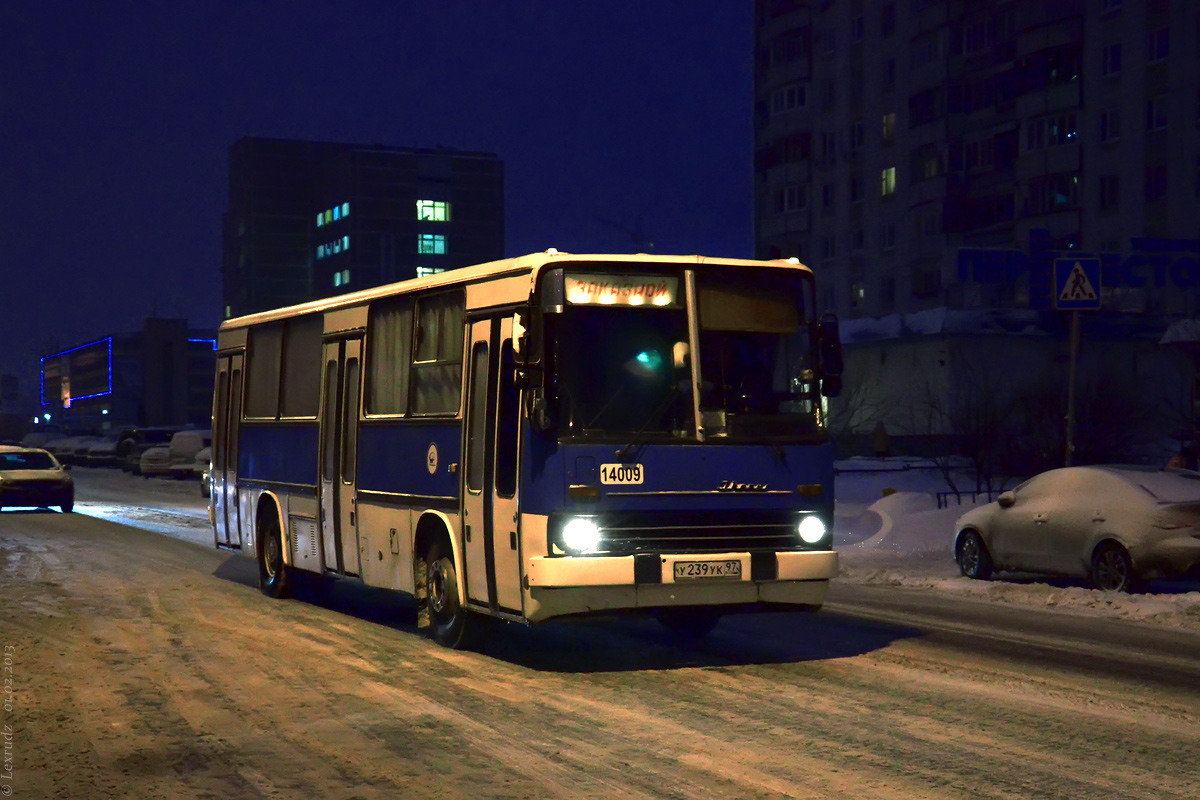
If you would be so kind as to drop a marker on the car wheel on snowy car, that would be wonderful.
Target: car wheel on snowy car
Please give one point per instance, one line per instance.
(972, 556)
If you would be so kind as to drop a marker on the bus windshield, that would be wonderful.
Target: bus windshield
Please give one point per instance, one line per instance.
(622, 362)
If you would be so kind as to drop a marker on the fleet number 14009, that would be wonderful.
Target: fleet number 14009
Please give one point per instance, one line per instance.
(620, 474)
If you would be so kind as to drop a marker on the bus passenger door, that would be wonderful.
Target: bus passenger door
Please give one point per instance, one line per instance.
(492, 555)
(347, 500)
(331, 396)
(227, 413)
(477, 506)
(506, 541)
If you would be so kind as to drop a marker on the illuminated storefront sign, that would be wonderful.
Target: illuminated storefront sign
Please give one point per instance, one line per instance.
(621, 290)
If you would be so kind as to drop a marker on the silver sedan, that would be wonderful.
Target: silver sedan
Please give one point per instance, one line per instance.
(1115, 526)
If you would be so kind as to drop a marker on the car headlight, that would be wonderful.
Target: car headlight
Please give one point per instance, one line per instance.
(812, 529)
(581, 535)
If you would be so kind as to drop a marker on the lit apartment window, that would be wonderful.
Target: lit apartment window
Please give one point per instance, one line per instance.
(345, 242)
(320, 219)
(345, 209)
(337, 213)
(887, 185)
(228, 312)
(320, 251)
(425, 272)
(345, 277)
(889, 128)
(431, 244)
(858, 294)
(328, 217)
(433, 211)
(337, 279)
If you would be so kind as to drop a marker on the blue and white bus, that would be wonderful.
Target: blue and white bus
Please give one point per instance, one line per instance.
(537, 437)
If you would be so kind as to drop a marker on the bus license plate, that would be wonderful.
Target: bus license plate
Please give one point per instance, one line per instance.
(694, 570)
(620, 474)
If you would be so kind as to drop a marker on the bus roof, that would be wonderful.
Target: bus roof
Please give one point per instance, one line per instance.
(531, 264)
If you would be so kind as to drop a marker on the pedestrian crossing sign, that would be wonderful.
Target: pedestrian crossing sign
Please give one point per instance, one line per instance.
(1077, 284)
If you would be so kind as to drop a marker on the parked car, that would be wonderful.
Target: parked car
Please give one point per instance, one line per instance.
(100, 453)
(202, 469)
(40, 435)
(30, 476)
(184, 446)
(155, 460)
(1115, 526)
(74, 449)
(132, 442)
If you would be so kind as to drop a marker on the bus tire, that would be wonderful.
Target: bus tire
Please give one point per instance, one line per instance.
(451, 624)
(690, 623)
(273, 575)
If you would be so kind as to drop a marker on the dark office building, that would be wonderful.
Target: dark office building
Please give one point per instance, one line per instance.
(160, 375)
(313, 219)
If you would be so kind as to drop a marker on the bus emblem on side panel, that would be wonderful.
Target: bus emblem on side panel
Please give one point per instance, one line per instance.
(734, 486)
(431, 458)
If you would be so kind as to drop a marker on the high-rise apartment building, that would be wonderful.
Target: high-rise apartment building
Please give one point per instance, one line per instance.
(940, 153)
(313, 219)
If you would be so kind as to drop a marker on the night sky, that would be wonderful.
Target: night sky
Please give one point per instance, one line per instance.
(116, 119)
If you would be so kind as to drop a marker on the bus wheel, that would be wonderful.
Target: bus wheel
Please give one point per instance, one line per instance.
(450, 623)
(690, 623)
(272, 574)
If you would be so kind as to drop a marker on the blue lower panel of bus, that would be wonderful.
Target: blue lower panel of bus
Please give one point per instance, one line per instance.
(279, 452)
(713, 477)
(408, 458)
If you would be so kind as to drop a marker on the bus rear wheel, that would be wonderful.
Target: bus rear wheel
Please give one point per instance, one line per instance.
(272, 573)
(451, 624)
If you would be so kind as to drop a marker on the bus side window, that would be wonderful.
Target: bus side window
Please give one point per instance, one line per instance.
(437, 362)
(389, 355)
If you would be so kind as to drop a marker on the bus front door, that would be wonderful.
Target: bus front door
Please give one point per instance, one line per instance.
(491, 543)
(339, 455)
(227, 413)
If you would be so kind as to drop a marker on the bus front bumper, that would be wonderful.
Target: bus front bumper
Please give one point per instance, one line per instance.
(565, 585)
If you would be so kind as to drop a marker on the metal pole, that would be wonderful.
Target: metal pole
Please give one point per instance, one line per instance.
(1071, 388)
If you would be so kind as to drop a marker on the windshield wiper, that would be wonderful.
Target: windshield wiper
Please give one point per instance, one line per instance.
(657, 411)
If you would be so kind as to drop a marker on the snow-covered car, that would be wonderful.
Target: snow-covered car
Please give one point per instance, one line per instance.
(202, 469)
(132, 442)
(74, 449)
(184, 447)
(155, 460)
(32, 477)
(1115, 526)
(101, 453)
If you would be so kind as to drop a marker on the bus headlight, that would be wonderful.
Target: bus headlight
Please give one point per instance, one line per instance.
(812, 529)
(581, 535)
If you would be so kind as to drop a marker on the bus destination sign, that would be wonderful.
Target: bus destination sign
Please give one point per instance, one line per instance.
(621, 290)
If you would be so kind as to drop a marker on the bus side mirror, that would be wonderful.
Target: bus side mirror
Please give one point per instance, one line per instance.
(829, 355)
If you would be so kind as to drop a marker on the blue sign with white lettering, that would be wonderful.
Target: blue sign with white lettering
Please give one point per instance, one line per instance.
(1077, 284)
